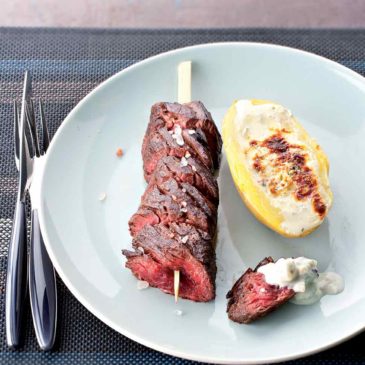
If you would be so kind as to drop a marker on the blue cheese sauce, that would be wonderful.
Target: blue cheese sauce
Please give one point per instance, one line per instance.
(301, 275)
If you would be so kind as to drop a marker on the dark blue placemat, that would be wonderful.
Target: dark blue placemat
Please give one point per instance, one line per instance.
(66, 65)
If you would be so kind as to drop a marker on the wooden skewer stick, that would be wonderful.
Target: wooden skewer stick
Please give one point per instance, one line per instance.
(176, 284)
(183, 96)
(184, 82)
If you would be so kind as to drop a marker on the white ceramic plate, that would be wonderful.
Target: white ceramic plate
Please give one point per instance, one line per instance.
(84, 236)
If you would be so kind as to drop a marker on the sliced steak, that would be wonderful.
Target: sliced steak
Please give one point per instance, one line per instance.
(197, 143)
(160, 143)
(143, 217)
(252, 297)
(194, 115)
(159, 250)
(206, 123)
(172, 202)
(177, 217)
(189, 170)
(185, 194)
(190, 117)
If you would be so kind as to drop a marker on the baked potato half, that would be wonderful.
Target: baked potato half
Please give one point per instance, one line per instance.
(280, 172)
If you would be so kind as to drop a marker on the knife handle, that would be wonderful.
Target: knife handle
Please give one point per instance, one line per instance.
(16, 280)
(42, 288)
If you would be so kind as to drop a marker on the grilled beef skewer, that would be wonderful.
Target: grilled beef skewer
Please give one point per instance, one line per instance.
(175, 225)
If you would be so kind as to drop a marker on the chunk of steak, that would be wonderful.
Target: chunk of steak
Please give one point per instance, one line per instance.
(252, 297)
(197, 143)
(173, 202)
(188, 170)
(206, 123)
(193, 119)
(159, 250)
(160, 143)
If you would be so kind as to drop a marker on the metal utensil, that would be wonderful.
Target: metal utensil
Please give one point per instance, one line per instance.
(16, 283)
(42, 282)
(42, 279)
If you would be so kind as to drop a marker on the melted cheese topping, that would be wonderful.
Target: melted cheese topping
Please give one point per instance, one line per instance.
(282, 165)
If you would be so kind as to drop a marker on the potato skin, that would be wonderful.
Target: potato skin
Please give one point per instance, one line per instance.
(252, 196)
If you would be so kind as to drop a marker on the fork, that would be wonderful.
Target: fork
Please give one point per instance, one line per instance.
(42, 280)
(16, 277)
(42, 284)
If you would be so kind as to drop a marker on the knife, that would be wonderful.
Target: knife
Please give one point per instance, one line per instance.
(16, 280)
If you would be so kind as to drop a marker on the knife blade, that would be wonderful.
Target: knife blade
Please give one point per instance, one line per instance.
(25, 162)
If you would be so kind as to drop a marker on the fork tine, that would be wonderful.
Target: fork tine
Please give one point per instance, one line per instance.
(32, 127)
(45, 133)
(16, 134)
(38, 149)
(35, 127)
(28, 131)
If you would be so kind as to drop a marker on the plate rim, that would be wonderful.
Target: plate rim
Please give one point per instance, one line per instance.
(76, 292)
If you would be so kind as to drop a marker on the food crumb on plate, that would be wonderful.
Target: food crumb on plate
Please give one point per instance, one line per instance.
(102, 196)
(119, 152)
(141, 284)
(178, 312)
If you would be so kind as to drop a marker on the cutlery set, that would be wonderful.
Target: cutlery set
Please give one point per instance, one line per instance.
(33, 269)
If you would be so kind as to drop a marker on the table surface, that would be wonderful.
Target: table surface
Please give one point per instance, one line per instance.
(66, 65)
(184, 13)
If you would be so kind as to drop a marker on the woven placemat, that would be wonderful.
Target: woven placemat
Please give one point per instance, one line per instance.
(68, 64)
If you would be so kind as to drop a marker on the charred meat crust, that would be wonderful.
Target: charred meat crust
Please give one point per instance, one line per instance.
(165, 250)
(193, 173)
(190, 116)
(169, 201)
(160, 143)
